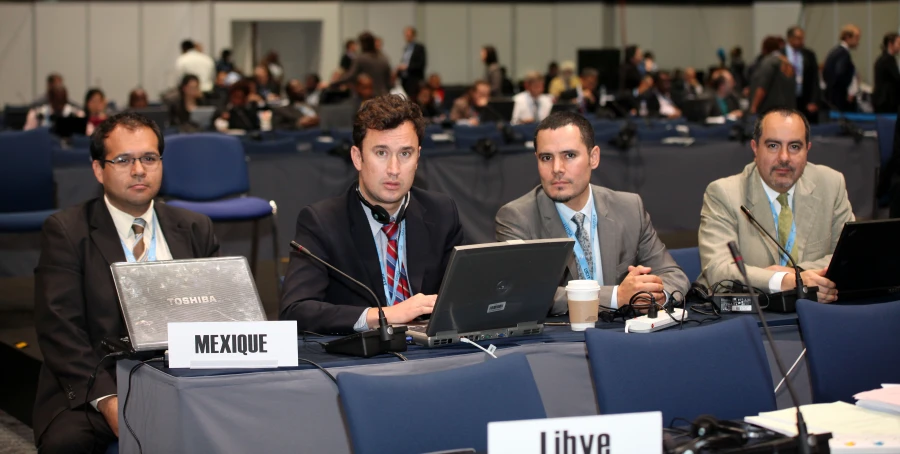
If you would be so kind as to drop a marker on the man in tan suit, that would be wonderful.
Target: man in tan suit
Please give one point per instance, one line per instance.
(616, 244)
(809, 202)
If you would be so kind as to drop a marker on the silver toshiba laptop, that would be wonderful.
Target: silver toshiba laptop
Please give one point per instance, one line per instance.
(153, 294)
(495, 290)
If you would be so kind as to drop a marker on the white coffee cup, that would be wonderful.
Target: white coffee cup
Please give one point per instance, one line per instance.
(584, 304)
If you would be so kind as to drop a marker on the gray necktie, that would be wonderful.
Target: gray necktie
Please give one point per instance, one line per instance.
(584, 239)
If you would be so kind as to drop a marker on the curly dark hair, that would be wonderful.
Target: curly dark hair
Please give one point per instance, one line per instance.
(384, 113)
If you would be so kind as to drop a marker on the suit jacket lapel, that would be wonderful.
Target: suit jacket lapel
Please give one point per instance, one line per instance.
(758, 203)
(364, 246)
(805, 213)
(551, 225)
(178, 236)
(607, 229)
(418, 231)
(103, 233)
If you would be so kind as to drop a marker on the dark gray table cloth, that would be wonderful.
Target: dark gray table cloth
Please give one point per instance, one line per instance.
(671, 180)
(299, 410)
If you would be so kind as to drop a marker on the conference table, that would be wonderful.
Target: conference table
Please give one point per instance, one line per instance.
(671, 180)
(297, 409)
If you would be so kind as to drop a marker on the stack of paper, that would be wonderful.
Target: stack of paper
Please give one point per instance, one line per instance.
(855, 429)
(886, 399)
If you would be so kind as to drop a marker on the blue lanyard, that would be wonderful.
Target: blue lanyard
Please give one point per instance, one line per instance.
(723, 106)
(389, 293)
(791, 237)
(151, 254)
(587, 272)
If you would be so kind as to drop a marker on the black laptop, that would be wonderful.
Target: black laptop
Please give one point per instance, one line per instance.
(866, 261)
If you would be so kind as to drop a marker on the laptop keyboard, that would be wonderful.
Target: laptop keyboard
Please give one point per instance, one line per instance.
(417, 328)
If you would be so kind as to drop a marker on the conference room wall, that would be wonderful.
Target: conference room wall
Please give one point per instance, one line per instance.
(687, 35)
(17, 83)
(823, 21)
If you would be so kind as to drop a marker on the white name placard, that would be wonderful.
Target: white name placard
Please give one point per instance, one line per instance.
(606, 434)
(227, 345)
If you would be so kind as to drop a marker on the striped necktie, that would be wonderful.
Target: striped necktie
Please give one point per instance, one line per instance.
(139, 247)
(392, 231)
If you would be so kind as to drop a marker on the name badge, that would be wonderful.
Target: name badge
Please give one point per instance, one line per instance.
(605, 434)
(233, 345)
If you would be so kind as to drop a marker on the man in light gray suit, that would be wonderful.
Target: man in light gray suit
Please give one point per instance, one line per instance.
(803, 205)
(616, 244)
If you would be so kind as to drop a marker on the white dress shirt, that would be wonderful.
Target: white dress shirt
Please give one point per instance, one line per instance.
(198, 64)
(775, 280)
(381, 240)
(588, 208)
(529, 108)
(123, 222)
(796, 59)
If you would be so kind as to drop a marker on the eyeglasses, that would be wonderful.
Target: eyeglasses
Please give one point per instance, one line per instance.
(149, 162)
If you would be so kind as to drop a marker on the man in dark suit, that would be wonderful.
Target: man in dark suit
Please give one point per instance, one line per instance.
(806, 73)
(632, 70)
(839, 71)
(349, 54)
(616, 244)
(412, 64)
(402, 259)
(773, 84)
(886, 96)
(76, 306)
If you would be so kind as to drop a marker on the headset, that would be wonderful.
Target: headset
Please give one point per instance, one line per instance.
(379, 213)
(712, 433)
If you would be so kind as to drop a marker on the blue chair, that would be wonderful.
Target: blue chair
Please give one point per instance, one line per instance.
(825, 130)
(466, 136)
(689, 261)
(656, 134)
(460, 401)
(80, 141)
(279, 146)
(525, 132)
(113, 448)
(27, 168)
(850, 349)
(720, 132)
(885, 128)
(650, 372)
(204, 172)
(298, 136)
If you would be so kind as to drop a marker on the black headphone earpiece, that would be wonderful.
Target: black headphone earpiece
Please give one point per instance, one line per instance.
(379, 213)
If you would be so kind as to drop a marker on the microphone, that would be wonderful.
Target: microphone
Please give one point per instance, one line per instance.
(347, 345)
(803, 292)
(803, 438)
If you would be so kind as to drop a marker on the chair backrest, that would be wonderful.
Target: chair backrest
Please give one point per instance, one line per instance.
(27, 168)
(452, 406)
(202, 167)
(467, 136)
(684, 374)
(689, 261)
(299, 136)
(849, 349)
(885, 129)
(280, 146)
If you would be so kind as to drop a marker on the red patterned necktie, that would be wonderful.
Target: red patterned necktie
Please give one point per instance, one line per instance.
(392, 231)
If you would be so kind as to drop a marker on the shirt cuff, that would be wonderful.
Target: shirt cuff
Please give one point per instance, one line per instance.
(361, 324)
(97, 401)
(775, 281)
(615, 298)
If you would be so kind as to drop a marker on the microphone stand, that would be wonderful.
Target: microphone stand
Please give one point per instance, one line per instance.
(803, 438)
(363, 344)
(802, 291)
